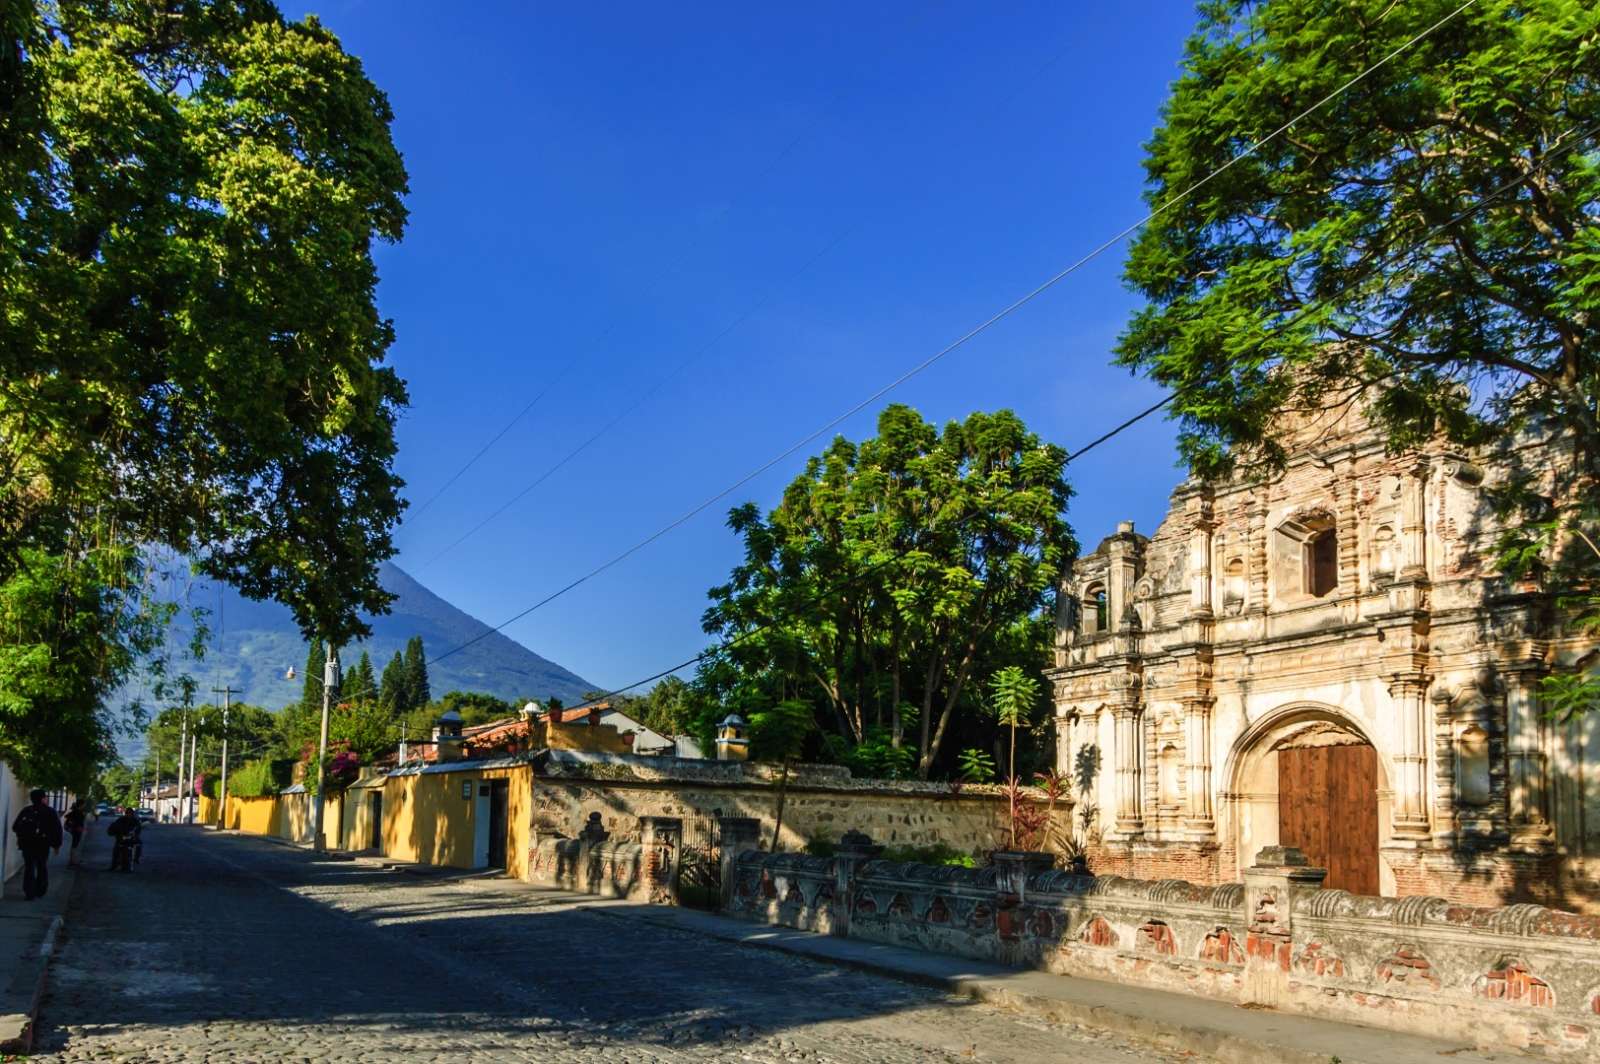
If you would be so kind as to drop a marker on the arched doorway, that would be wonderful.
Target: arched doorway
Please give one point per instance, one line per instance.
(1307, 776)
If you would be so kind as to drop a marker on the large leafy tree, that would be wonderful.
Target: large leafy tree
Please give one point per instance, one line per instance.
(68, 632)
(892, 573)
(190, 354)
(189, 345)
(1425, 245)
(1428, 238)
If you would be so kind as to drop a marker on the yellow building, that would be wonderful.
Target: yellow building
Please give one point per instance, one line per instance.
(458, 814)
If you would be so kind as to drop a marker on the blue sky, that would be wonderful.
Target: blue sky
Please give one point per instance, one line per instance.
(749, 217)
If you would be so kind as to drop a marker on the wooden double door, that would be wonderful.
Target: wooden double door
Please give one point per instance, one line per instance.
(1328, 809)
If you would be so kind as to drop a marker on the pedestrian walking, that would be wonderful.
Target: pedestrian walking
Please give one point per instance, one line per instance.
(38, 831)
(76, 822)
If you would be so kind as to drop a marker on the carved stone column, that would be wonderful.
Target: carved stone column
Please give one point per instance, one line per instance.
(1130, 768)
(1200, 533)
(1529, 783)
(1197, 747)
(1414, 522)
(855, 849)
(1409, 692)
(736, 835)
(1444, 770)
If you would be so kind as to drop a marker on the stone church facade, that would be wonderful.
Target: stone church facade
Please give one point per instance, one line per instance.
(1327, 660)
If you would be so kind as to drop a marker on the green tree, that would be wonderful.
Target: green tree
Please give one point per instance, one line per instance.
(71, 629)
(311, 689)
(363, 726)
(778, 733)
(120, 784)
(1424, 247)
(666, 708)
(1013, 696)
(392, 691)
(189, 341)
(891, 574)
(416, 674)
(362, 683)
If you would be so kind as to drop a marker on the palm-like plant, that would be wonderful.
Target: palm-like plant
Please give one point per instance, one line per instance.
(1012, 696)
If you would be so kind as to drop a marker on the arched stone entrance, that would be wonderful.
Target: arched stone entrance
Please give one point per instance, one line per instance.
(1307, 776)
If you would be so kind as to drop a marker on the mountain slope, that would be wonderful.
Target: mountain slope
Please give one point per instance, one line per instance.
(259, 642)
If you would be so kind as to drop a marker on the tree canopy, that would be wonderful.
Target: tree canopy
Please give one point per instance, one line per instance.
(1425, 246)
(189, 343)
(191, 356)
(1426, 240)
(892, 573)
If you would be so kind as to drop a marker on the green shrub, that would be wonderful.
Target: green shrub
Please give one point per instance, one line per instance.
(821, 846)
(254, 779)
(936, 854)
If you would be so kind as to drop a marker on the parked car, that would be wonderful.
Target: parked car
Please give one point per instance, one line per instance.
(146, 816)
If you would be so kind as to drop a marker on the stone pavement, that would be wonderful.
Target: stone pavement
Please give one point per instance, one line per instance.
(222, 947)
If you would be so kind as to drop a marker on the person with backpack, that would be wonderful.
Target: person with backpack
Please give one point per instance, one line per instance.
(77, 820)
(38, 831)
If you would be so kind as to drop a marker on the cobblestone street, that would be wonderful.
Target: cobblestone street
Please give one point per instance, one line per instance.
(227, 948)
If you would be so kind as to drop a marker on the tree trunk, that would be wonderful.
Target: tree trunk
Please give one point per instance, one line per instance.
(783, 791)
(1011, 775)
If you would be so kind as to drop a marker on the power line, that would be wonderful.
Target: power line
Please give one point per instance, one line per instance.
(723, 212)
(677, 370)
(960, 341)
(1126, 424)
(644, 397)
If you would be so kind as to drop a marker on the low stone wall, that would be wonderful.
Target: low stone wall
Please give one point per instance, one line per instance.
(1521, 976)
(645, 870)
(821, 801)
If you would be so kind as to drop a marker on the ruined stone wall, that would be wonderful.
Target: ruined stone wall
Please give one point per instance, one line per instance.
(1518, 976)
(821, 802)
(645, 870)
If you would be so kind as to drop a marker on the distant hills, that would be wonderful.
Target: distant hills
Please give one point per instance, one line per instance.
(259, 642)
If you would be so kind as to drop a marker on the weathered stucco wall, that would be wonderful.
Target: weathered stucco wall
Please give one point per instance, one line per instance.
(822, 801)
(426, 819)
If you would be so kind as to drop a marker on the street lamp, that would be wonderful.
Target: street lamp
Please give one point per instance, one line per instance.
(330, 683)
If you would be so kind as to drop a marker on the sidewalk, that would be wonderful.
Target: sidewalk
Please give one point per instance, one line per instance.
(28, 933)
(1212, 1030)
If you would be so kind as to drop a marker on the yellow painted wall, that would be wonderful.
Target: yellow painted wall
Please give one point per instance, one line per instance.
(209, 808)
(356, 817)
(254, 816)
(425, 818)
(333, 822)
(603, 739)
(294, 821)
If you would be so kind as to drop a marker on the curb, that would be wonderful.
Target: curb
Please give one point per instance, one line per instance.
(1205, 1041)
(1151, 1030)
(39, 963)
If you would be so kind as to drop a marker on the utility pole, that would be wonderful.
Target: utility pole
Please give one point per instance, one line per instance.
(226, 691)
(330, 682)
(188, 791)
(183, 752)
